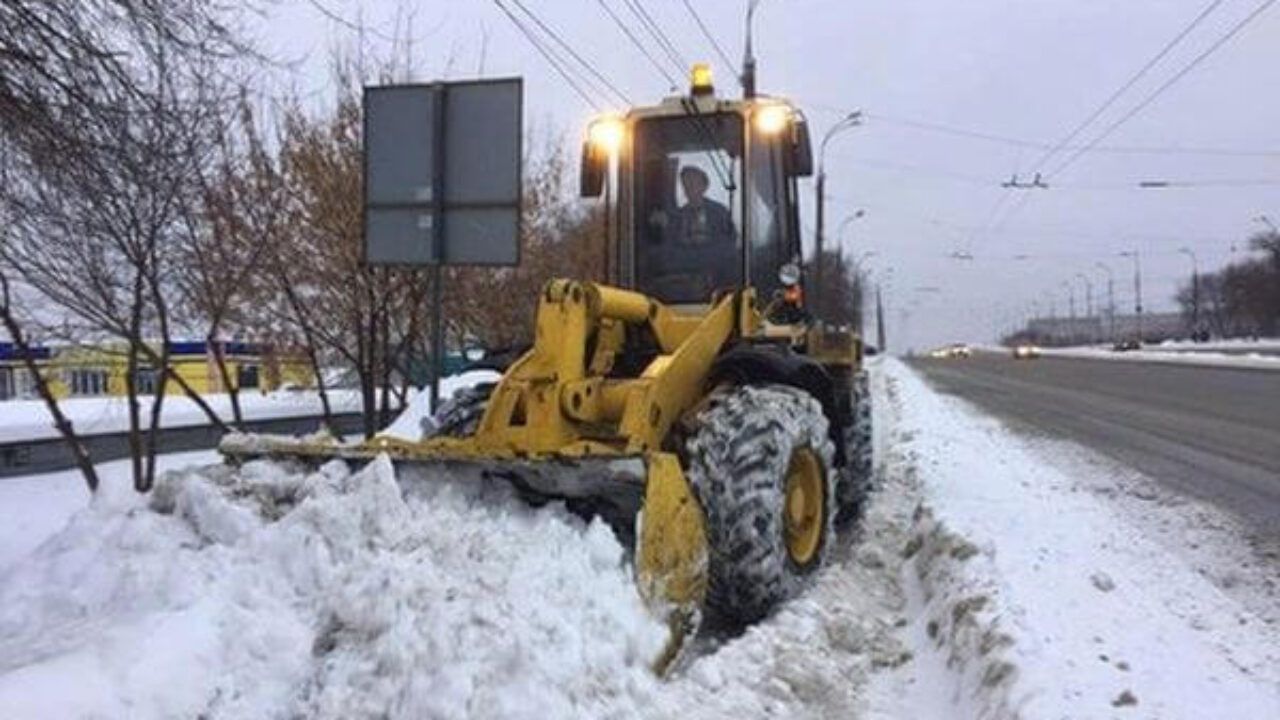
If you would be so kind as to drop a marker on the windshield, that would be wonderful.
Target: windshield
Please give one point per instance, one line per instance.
(688, 216)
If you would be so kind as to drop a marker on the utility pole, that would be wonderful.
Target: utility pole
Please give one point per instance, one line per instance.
(1137, 286)
(1195, 290)
(1088, 304)
(851, 120)
(1111, 300)
(880, 341)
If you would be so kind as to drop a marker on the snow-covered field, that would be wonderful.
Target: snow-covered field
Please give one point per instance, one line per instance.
(995, 576)
(30, 420)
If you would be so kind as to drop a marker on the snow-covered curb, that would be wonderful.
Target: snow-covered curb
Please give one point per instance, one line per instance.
(1045, 596)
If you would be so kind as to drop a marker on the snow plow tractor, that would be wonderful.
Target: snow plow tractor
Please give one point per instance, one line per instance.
(695, 402)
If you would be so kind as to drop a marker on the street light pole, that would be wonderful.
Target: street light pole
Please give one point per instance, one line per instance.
(1088, 305)
(1137, 286)
(851, 120)
(1195, 290)
(1111, 300)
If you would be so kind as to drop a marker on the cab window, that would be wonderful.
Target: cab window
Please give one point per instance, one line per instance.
(688, 217)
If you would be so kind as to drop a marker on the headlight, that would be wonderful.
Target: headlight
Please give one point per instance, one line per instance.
(789, 274)
(771, 119)
(606, 134)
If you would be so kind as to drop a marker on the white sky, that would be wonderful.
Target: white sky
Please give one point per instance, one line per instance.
(1025, 69)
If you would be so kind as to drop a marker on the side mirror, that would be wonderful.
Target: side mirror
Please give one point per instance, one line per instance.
(800, 160)
(594, 165)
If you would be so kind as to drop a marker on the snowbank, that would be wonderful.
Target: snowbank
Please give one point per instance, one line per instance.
(408, 424)
(268, 592)
(1045, 595)
(1253, 361)
(35, 507)
(271, 593)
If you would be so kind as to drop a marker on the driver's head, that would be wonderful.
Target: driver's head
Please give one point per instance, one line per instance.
(695, 183)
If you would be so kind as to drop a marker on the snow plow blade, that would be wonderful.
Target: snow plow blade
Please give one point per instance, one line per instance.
(644, 497)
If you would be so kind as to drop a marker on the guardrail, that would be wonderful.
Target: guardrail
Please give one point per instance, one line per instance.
(28, 457)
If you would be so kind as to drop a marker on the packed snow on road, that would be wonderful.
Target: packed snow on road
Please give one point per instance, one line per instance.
(996, 575)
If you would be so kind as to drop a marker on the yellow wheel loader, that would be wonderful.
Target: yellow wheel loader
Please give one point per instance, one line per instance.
(694, 403)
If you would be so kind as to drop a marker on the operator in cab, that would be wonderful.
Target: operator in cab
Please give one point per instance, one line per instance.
(702, 222)
(699, 243)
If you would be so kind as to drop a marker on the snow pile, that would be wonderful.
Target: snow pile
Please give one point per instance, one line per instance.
(1042, 596)
(265, 593)
(1253, 361)
(408, 424)
(270, 592)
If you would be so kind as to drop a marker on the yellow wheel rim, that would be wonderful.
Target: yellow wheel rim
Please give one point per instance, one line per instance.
(804, 511)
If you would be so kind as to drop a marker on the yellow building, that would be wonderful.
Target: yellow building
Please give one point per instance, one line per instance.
(95, 370)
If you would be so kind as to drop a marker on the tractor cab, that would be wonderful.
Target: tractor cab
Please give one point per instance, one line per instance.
(705, 193)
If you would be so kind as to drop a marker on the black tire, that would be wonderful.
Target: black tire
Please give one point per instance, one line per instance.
(858, 474)
(736, 461)
(459, 416)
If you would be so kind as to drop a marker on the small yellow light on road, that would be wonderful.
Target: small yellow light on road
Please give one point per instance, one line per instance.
(771, 119)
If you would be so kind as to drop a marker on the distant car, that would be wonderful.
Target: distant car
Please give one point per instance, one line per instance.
(1026, 351)
(956, 350)
(1126, 346)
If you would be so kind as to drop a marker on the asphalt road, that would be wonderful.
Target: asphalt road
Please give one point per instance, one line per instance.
(1206, 431)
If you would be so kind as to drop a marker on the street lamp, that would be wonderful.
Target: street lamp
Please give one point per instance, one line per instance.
(1195, 290)
(1137, 286)
(1111, 299)
(847, 122)
(848, 220)
(1088, 304)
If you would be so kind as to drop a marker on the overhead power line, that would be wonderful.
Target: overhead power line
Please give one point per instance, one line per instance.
(1093, 116)
(1039, 145)
(1133, 80)
(558, 64)
(574, 53)
(655, 31)
(706, 32)
(1195, 62)
(635, 41)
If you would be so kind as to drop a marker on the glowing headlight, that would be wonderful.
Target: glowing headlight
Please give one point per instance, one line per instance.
(606, 134)
(771, 119)
(789, 274)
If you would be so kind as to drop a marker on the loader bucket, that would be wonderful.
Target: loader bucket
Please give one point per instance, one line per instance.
(644, 497)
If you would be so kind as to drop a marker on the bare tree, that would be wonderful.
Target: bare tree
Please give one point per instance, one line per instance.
(108, 107)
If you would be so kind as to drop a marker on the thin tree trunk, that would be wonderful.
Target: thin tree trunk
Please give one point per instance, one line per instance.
(230, 387)
(187, 390)
(135, 415)
(84, 462)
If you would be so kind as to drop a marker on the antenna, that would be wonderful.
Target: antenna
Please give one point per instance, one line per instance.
(749, 55)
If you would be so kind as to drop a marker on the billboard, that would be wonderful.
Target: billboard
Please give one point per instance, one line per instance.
(442, 173)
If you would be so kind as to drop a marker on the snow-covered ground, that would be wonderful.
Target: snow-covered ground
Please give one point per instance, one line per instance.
(1054, 584)
(30, 420)
(995, 576)
(1233, 344)
(1251, 360)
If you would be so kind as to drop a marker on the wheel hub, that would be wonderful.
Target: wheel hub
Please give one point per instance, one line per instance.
(803, 510)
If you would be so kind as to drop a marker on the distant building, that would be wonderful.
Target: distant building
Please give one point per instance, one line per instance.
(1156, 327)
(101, 369)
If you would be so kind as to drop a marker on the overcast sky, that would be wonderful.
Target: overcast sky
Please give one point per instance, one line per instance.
(929, 75)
